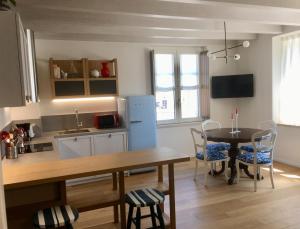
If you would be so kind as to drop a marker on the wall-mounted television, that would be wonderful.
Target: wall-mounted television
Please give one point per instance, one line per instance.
(232, 86)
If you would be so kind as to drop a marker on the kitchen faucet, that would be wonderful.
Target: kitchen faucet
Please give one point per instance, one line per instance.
(78, 123)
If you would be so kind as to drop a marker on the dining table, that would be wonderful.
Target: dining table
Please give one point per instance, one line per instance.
(243, 135)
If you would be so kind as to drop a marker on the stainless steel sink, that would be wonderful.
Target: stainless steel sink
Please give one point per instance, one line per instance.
(75, 131)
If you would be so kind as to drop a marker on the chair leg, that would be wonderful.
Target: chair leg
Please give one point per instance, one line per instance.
(138, 218)
(226, 171)
(212, 168)
(129, 219)
(205, 173)
(196, 169)
(237, 165)
(68, 226)
(255, 177)
(271, 176)
(153, 219)
(160, 217)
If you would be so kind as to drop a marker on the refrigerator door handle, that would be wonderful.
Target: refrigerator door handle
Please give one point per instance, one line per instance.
(136, 121)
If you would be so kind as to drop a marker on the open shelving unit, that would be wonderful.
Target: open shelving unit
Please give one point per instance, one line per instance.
(79, 82)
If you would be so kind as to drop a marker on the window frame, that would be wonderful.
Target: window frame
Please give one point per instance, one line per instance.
(177, 87)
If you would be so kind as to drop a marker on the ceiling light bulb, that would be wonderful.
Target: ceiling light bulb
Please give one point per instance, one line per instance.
(246, 44)
(237, 56)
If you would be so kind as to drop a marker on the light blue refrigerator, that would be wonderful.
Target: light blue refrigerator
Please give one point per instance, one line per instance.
(138, 113)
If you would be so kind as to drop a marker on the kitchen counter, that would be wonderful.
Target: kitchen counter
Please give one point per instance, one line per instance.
(38, 157)
(92, 131)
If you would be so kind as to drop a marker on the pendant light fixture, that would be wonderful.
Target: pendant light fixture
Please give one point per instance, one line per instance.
(226, 56)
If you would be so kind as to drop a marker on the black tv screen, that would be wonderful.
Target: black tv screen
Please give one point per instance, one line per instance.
(232, 86)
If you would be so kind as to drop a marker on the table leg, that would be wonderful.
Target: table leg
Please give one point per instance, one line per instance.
(160, 174)
(250, 175)
(122, 200)
(115, 187)
(233, 152)
(220, 171)
(63, 192)
(172, 196)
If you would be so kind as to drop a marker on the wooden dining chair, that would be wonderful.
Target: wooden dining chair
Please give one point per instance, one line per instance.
(210, 154)
(211, 124)
(264, 125)
(262, 156)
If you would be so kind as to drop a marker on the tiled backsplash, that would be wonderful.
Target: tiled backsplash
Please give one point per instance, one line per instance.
(67, 121)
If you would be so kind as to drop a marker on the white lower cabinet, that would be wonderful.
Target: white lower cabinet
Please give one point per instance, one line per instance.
(72, 147)
(88, 145)
(110, 143)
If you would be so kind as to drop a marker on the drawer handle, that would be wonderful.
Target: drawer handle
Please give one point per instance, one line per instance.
(75, 139)
(109, 135)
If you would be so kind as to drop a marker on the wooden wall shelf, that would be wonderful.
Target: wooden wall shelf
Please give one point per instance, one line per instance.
(73, 78)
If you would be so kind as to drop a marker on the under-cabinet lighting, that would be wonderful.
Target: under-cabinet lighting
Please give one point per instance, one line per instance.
(108, 98)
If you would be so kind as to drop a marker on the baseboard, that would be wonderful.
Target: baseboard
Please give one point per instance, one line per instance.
(287, 162)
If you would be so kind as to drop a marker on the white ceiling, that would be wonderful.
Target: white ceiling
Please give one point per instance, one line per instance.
(188, 22)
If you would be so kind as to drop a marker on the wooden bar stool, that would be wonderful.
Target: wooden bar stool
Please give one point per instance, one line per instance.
(147, 197)
(56, 217)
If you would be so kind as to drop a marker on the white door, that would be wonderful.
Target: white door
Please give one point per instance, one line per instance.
(72, 147)
(110, 143)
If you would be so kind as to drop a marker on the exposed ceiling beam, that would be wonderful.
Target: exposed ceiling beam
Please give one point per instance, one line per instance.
(40, 17)
(123, 38)
(47, 27)
(292, 4)
(176, 10)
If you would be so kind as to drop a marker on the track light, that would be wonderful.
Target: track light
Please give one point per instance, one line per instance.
(237, 56)
(246, 44)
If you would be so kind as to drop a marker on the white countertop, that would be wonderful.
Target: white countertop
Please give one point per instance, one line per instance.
(37, 157)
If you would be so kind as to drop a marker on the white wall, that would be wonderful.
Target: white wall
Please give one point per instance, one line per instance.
(5, 117)
(133, 67)
(134, 79)
(258, 60)
(3, 223)
(4, 120)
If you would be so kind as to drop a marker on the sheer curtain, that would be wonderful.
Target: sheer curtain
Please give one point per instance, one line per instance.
(204, 85)
(289, 82)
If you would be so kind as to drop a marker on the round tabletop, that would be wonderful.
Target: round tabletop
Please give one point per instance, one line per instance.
(224, 135)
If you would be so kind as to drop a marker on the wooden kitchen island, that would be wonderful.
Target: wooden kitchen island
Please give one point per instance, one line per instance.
(31, 186)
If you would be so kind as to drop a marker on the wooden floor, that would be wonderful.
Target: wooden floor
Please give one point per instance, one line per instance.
(219, 205)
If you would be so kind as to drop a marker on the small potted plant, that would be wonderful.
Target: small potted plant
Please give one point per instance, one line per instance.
(13, 141)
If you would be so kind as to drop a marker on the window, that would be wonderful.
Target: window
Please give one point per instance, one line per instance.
(288, 81)
(176, 86)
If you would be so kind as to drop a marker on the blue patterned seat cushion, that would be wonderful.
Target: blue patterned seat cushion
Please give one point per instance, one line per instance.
(248, 148)
(212, 155)
(218, 146)
(262, 157)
